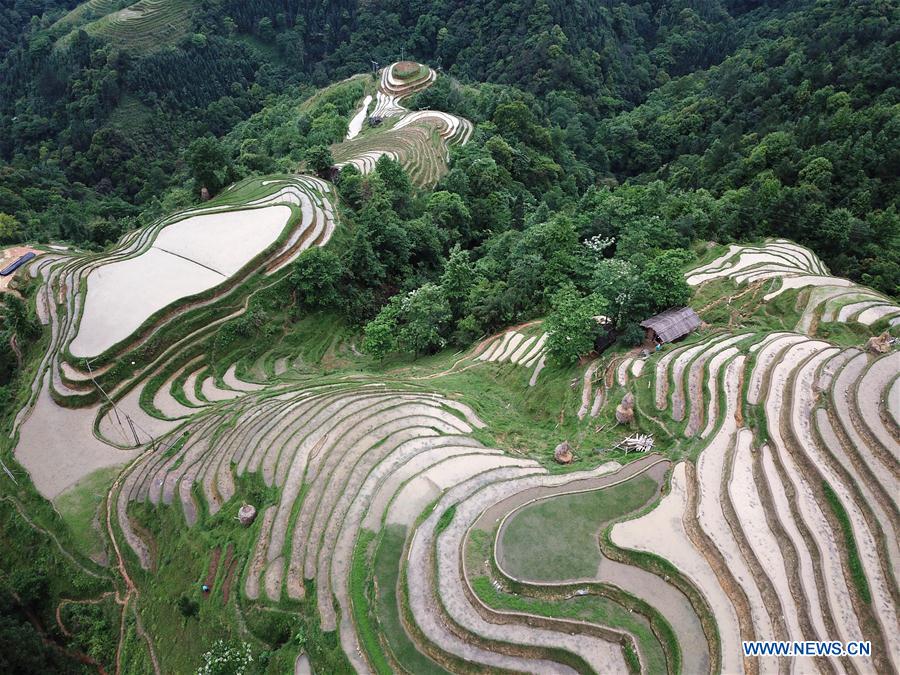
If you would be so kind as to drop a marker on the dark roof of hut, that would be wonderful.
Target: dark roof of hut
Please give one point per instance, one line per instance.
(673, 323)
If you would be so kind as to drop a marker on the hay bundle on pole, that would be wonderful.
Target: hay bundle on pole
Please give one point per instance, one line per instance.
(625, 410)
(247, 514)
(563, 453)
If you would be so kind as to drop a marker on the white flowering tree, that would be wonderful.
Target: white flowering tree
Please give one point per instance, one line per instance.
(227, 658)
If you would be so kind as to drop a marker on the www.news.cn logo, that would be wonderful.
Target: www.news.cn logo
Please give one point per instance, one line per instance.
(807, 648)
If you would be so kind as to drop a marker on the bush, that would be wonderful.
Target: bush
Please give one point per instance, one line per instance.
(188, 606)
(276, 629)
(319, 159)
(632, 335)
(315, 278)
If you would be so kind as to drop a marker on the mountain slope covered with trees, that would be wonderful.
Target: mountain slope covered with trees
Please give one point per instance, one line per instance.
(770, 118)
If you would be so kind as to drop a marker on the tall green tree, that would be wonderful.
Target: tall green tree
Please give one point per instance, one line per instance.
(663, 276)
(572, 325)
(10, 228)
(315, 278)
(426, 316)
(381, 333)
(209, 163)
(319, 159)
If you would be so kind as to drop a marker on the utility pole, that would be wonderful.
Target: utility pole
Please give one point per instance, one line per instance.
(137, 441)
(115, 408)
(87, 362)
(8, 473)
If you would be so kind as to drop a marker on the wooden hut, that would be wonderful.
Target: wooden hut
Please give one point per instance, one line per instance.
(671, 325)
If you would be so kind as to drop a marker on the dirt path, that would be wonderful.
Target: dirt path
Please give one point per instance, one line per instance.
(752, 288)
(68, 601)
(14, 345)
(213, 568)
(132, 593)
(81, 657)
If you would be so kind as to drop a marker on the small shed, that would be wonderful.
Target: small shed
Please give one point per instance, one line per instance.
(671, 324)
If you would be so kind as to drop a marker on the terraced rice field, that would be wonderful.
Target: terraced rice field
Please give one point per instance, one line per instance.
(784, 266)
(142, 26)
(356, 123)
(760, 537)
(194, 252)
(419, 140)
(767, 511)
(186, 258)
(90, 10)
(520, 349)
(108, 306)
(775, 520)
(350, 461)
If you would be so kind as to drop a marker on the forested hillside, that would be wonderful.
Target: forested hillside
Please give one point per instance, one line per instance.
(758, 118)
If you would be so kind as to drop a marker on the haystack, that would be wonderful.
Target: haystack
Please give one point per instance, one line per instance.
(247, 514)
(563, 453)
(625, 410)
(880, 344)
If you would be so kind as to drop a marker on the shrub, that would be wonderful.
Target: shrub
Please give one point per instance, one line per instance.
(188, 606)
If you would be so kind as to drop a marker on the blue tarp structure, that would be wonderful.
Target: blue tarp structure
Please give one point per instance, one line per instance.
(16, 264)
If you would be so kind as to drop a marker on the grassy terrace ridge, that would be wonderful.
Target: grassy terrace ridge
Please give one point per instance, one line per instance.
(79, 507)
(856, 567)
(595, 602)
(600, 606)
